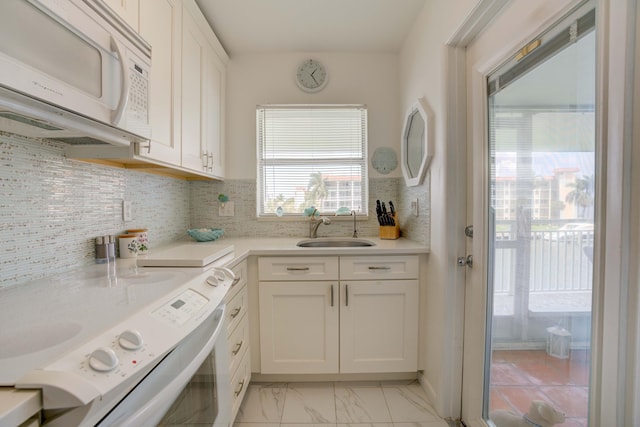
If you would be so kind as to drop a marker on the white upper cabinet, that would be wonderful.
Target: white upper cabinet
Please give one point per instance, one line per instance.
(161, 26)
(215, 118)
(203, 78)
(187, 93)
(128, 10)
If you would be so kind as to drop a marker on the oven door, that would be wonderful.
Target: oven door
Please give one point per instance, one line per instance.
(190, 386)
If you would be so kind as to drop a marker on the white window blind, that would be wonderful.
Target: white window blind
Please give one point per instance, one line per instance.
(311, 156)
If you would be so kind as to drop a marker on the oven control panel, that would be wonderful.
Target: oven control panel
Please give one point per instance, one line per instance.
(130, 349)
(182, 308)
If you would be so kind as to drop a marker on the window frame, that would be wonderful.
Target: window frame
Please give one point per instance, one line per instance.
(261, 162)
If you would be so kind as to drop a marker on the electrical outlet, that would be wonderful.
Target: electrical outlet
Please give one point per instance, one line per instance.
(226, 209)
(127, 210)
(414, 207)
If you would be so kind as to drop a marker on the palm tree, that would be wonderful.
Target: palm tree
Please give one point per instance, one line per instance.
(581, 194)
(288, 204)
(316, 190)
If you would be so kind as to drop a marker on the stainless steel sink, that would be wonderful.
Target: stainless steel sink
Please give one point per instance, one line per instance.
(335, 243)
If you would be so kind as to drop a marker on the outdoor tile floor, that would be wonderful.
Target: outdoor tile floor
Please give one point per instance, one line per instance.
(520, 376)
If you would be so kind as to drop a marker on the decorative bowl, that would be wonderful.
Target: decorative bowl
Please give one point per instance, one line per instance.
(205, 234)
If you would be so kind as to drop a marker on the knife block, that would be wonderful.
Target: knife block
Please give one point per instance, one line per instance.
(390, 232)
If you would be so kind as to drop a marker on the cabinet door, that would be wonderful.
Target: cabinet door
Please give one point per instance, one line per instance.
(298, 327)
(379, 326)
(160, 25)
(194, 46)
(214, 82)
(127, 10)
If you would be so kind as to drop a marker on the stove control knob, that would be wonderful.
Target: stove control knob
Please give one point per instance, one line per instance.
(130, 340)
(103, 359)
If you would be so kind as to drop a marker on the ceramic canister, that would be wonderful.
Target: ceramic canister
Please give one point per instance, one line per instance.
(129, 246)
(142, 235)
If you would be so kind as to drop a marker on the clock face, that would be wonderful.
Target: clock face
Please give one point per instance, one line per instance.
(311, 76)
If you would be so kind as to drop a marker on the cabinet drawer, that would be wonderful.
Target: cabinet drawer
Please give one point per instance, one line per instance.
(236, 309)
(240, 271)
(239, 384)
(238, 343)
(298, 268)
(378, 267)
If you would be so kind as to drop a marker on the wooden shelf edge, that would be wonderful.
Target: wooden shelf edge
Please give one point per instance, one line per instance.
(151, 168)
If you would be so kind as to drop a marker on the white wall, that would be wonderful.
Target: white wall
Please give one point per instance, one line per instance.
(354, 78)
(423, 74)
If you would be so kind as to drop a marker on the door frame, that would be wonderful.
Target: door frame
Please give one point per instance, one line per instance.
(613, 391)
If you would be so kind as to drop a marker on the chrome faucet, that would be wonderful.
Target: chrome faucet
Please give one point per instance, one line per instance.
(355, 230)
(313, 225)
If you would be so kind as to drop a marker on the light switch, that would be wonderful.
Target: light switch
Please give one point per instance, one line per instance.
(226, 209)
(127, 210)
(414, 207)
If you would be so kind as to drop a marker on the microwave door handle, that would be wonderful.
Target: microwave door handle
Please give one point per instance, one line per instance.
(116, 114)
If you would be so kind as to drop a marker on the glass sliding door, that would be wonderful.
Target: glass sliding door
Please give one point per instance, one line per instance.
(541, 122)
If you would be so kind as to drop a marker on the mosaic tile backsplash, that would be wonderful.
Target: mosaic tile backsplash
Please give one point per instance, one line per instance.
(52, 208)
(205, 204)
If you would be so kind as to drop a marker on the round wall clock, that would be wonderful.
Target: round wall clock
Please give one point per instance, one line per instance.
(311, 76)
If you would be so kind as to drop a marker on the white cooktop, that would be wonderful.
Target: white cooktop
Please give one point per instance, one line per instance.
(43, 320)
(186, 255)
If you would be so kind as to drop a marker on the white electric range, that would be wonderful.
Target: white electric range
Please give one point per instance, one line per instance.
(86, 337)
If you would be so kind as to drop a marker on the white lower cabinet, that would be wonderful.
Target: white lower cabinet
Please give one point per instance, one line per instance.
(379, 326)
(298, 327)
(312, 321)
(238, 337)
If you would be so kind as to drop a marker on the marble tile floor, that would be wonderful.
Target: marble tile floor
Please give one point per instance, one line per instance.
(337, 404)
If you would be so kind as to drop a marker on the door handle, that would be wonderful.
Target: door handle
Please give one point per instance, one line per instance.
(465, 261)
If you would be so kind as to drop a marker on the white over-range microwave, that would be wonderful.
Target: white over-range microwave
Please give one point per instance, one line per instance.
(72, 70)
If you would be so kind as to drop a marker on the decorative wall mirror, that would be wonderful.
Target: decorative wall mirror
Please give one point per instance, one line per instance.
(417, 143)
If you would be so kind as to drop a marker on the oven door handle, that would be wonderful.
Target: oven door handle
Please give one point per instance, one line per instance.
(150, 400)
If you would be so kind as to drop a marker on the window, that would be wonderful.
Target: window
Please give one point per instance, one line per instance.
(311, 156)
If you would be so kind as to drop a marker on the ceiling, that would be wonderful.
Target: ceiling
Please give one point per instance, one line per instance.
(269, 26)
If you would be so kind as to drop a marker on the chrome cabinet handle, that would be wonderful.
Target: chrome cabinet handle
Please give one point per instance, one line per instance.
(297, 268)
(236, 312)
(372, 267)
(238, 391)
(235, 281)
(210, 157)
(331, 295)
(237, 349)
(346, 295)
(147, 146)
